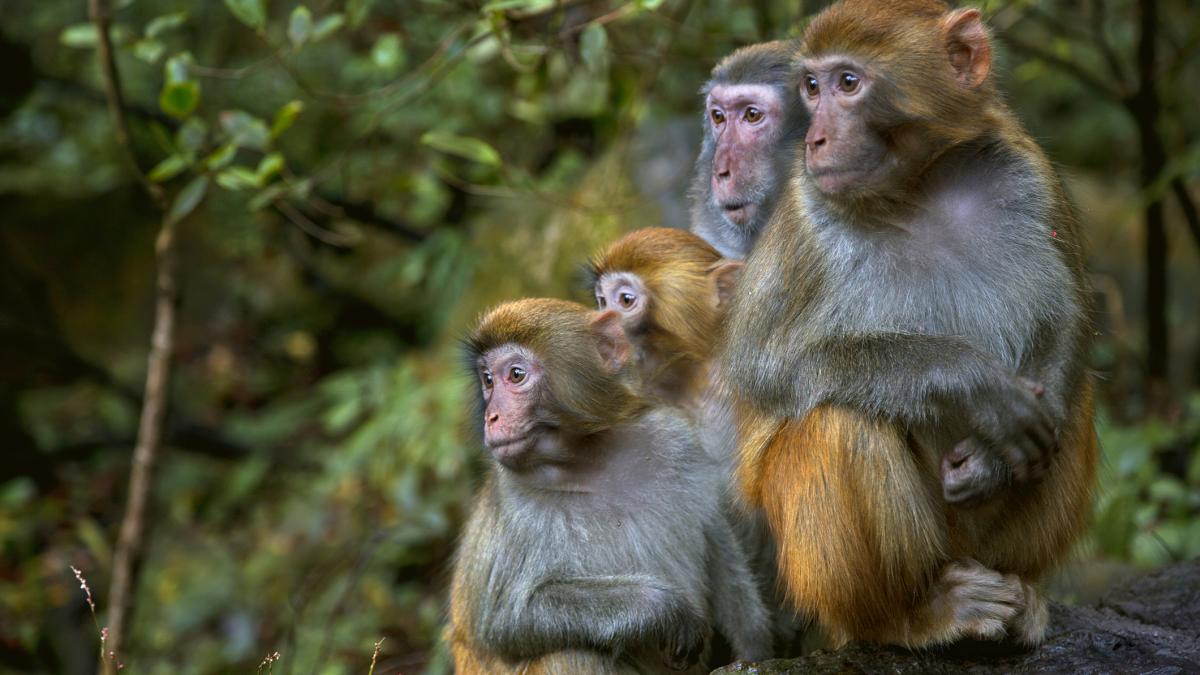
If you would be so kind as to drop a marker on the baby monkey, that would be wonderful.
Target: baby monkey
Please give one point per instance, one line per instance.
(597, 542)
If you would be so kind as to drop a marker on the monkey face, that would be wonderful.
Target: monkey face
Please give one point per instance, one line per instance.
(511, 380)
(746, 122)
(842, 149)
(626, 294)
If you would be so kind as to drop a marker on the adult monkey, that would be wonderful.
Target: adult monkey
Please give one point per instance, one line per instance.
(921, 269)
(754, 117)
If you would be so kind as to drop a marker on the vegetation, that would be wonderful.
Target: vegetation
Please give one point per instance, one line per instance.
(337, 188)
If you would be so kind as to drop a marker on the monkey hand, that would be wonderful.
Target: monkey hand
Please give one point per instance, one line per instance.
(1009, 420)
(684, 642)
(978, 601)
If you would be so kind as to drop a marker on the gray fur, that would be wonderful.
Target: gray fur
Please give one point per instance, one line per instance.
(926, 315)
(623, 556)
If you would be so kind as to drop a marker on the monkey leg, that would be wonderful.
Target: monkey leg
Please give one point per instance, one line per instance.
(863, 535)
(1030, 530)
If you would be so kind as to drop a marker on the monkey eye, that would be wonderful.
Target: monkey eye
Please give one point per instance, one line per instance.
(753, 115)
(516, 374)
(601, 301)
(718, 117)
(487, 380)
(810, 85)
(627, 299)
(848, 82)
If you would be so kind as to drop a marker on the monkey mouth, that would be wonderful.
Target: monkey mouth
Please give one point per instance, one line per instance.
(510, 451)
(738, 213)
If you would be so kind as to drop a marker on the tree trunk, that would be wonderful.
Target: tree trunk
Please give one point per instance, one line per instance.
(1145, 106)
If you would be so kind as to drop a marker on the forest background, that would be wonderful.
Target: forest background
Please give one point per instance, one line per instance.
(308, 203)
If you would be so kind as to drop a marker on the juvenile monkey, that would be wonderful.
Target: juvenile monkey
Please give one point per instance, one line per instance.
(597, 542)
(754, 119)
(671, 289)
(922, 269)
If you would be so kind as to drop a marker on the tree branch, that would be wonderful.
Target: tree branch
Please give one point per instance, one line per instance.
(1188, 206)
(1084, 76)
(98, 11)
(150, 427)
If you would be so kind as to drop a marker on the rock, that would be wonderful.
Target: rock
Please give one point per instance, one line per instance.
(1149, 625)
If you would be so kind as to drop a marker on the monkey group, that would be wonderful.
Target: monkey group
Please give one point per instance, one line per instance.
(852, 402)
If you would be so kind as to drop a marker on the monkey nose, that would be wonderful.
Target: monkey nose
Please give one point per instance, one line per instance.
(493, 418)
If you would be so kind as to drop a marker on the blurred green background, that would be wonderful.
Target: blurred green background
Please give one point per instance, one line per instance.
(358, 180)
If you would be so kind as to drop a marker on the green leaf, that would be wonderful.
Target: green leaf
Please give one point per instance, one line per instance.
(161, 24)
(462, 146)
(267, 196)
(221, 157)
(245, 129)
(169, 168)
(84, 36)
(285, 117)
(176, 68)
(238, 178)
(357, 10)
(191, 134)
(253, 13)
(523, 5)
(386, 54)
(149, 50)
(299, 26)
(268, 167)
(80, 35)
(179, 99)
(188, 199)
(327, 26)
(592, 47)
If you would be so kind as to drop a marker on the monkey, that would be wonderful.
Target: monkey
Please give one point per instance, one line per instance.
(754, 118)
(596, 542)
(671, 289)
(923, 267)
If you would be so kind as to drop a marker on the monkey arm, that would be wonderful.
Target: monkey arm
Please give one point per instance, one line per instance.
(737, 601)
(924, 379)
(608, 613)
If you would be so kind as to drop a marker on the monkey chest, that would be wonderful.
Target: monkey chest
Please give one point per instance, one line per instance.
(931, 278)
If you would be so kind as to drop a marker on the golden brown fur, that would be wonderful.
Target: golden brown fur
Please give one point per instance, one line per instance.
(837, 471)
(683, 274)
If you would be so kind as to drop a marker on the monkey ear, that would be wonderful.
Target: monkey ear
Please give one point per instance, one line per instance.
(611, 341)
(967, 43)
(725, 276)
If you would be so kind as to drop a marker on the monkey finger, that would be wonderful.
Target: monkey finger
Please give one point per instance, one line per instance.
(1017, 460)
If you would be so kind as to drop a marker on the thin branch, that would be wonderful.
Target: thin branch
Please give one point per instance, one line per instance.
(1099, 16)
(98, 11)
(154, 403)
(1188, 206)
(1084, 76)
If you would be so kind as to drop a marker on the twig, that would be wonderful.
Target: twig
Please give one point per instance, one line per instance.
(150, 427)
(1084, 76)
(98, 11)
(1100, 37)
(1188, 207)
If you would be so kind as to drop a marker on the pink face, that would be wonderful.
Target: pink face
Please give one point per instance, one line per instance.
(510, 376)
(625, 294)
(841, 151)
(746, 121)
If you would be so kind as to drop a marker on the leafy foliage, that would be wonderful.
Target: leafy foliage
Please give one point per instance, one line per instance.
(355, 181)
